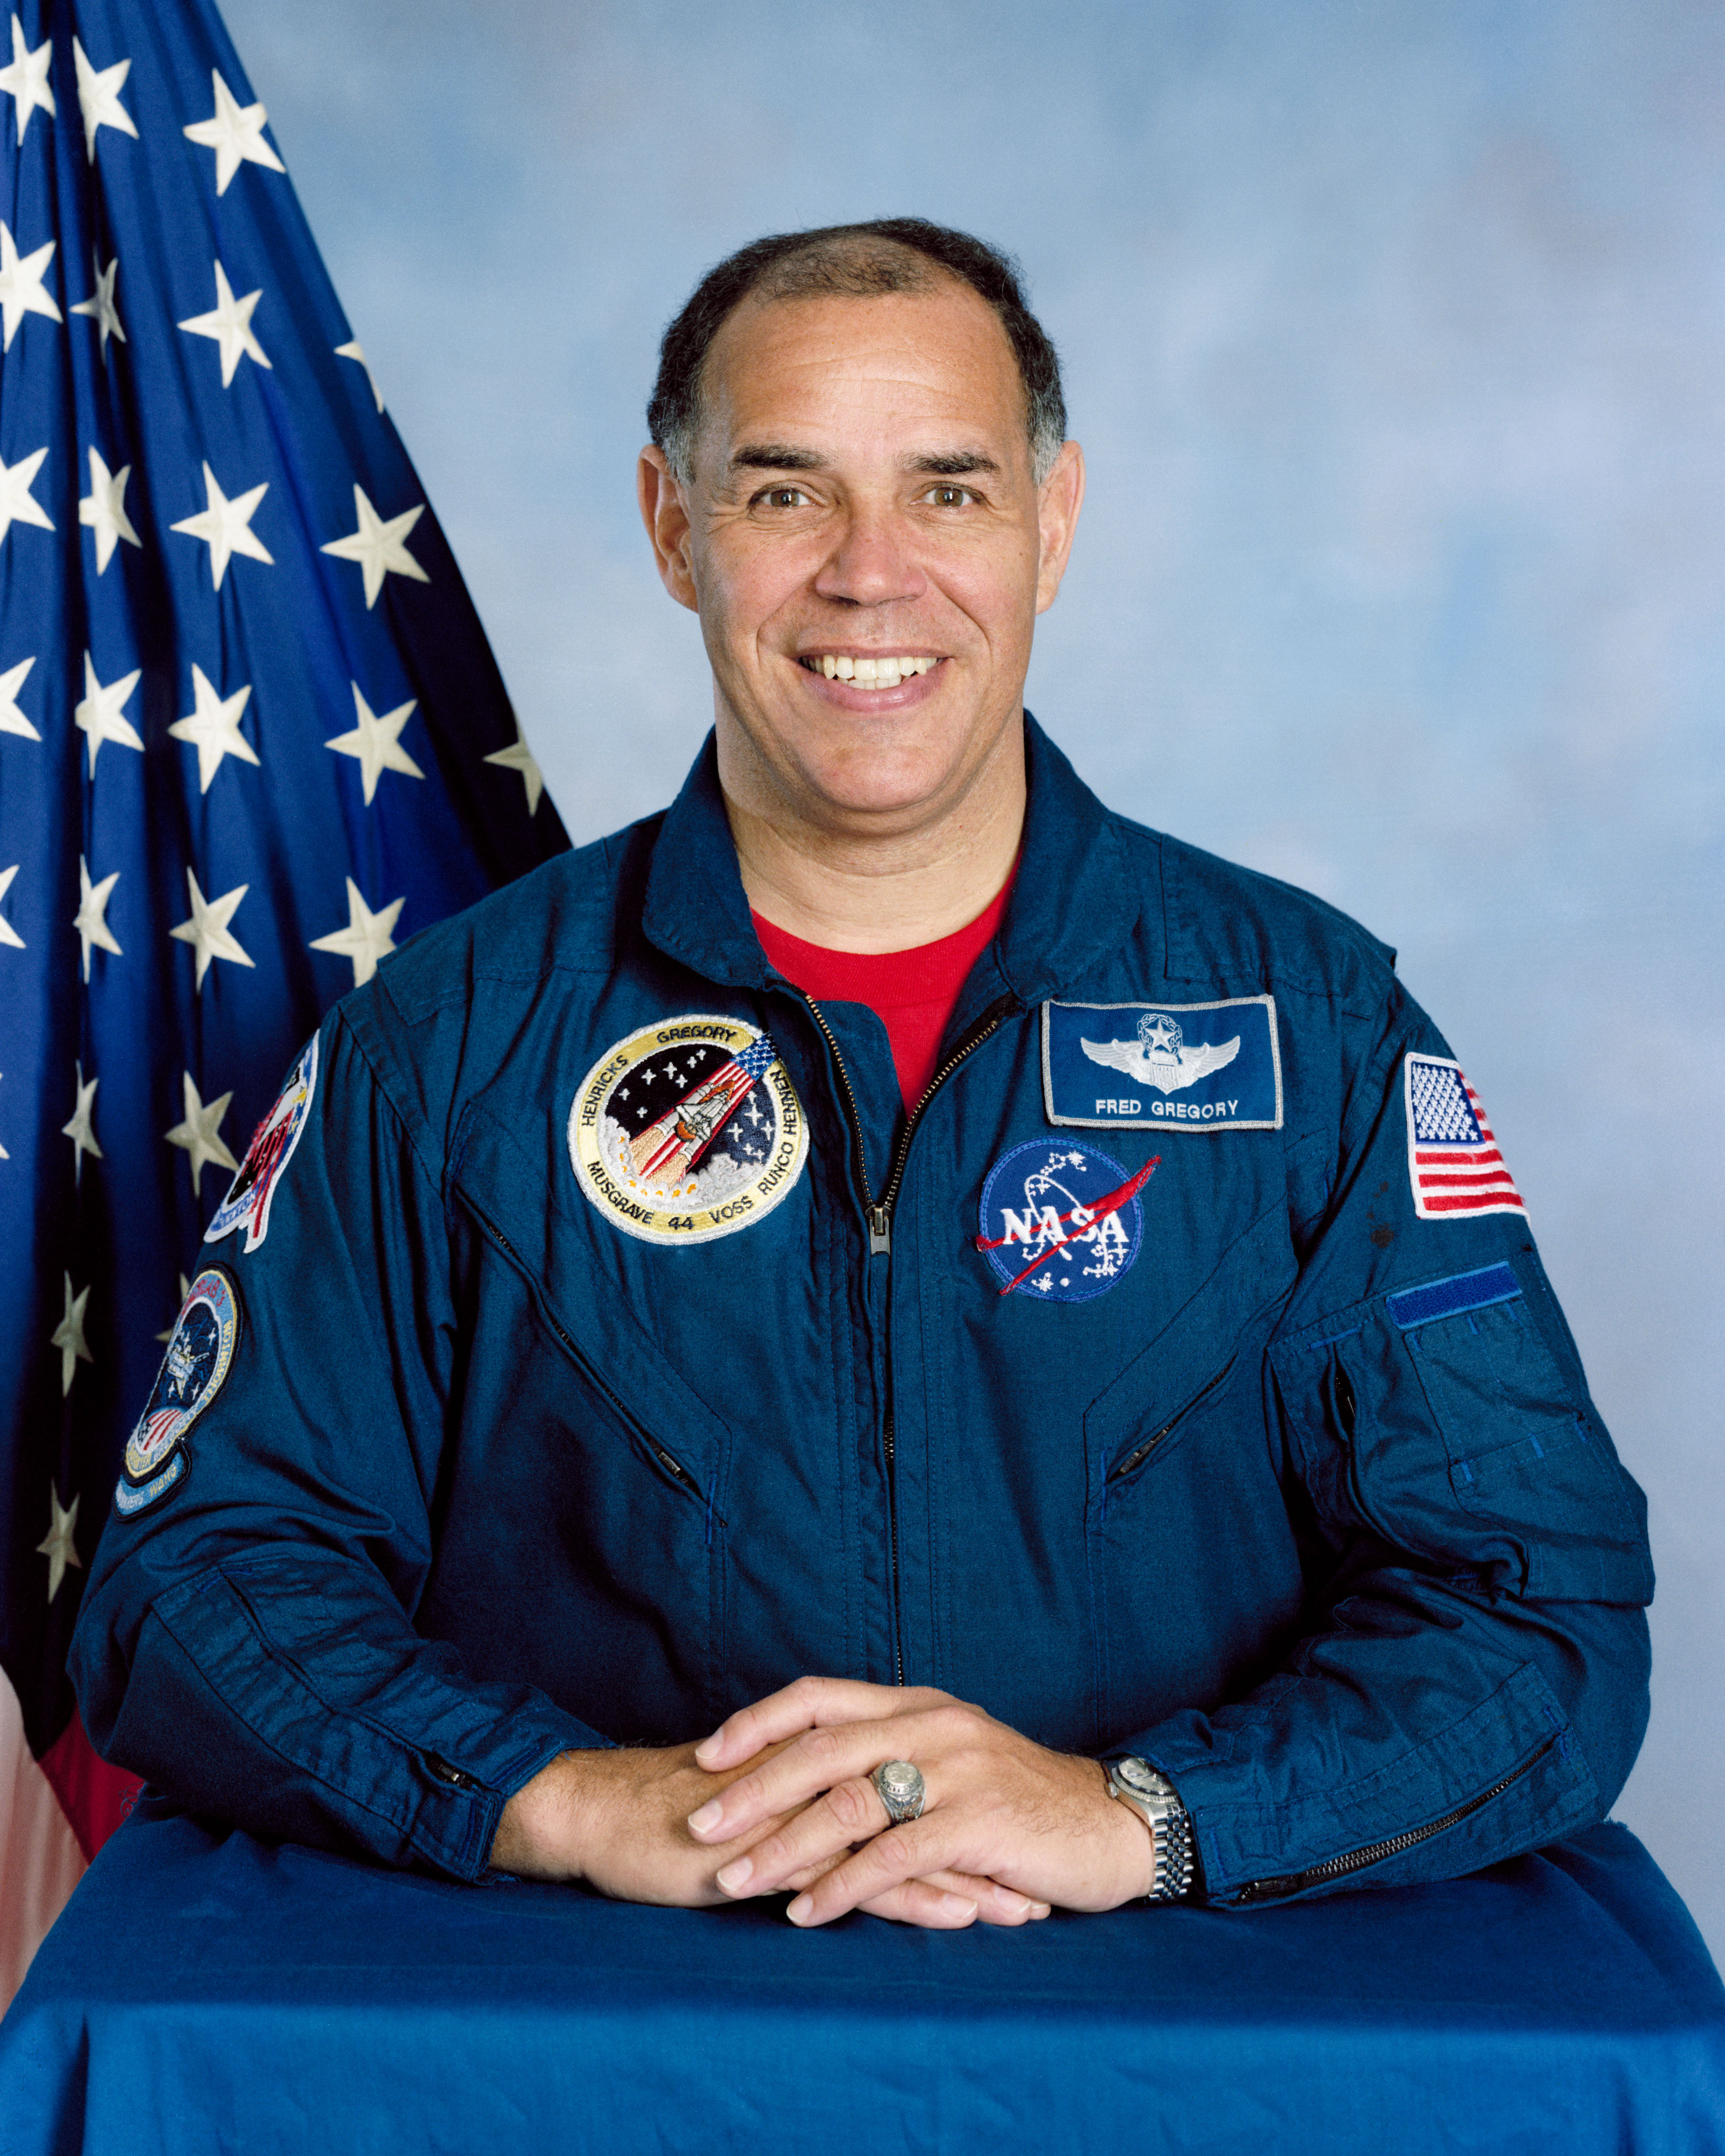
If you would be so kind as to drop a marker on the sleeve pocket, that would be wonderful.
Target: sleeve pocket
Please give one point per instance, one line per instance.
(1528, 1463)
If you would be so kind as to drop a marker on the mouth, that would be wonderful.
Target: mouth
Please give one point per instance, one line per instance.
(874, 670)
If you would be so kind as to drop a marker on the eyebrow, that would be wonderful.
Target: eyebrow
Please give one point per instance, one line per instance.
(783, 456)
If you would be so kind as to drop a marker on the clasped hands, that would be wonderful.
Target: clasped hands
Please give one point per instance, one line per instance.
(779, 1797)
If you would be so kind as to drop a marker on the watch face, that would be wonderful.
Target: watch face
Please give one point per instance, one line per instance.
(1143, 1781)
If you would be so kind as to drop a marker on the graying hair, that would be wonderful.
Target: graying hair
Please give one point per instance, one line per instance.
(854, 261)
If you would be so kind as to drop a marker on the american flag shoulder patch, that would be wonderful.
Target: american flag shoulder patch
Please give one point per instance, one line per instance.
(1454, 1165)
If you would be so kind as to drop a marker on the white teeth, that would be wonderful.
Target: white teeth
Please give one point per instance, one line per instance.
(873, 672)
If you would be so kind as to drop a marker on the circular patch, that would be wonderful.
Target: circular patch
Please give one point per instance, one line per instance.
(200, 1352)
(688, 1130)
(1060, 1222)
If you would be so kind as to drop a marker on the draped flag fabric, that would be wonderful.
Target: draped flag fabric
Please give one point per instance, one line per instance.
(251, 737)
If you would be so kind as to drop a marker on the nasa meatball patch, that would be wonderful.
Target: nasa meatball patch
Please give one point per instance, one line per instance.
(688, 1130)
(1061, 1222)
(1163, 1066)
(200, 1354)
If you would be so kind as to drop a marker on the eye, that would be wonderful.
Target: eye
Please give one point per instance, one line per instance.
(947, 495)
(781, 497)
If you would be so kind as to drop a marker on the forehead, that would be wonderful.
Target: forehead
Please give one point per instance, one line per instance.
(821, 371)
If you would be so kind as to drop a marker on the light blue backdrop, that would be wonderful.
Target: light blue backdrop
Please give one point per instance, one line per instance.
(1394, 336)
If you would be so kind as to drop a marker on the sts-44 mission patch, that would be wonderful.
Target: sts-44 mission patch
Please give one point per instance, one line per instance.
(688, 1130)
(200, 1354)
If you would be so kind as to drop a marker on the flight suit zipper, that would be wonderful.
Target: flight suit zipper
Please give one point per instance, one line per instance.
(1357, 1860)
(878, 1214)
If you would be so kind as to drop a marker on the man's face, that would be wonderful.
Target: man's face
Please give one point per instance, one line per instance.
(862, 493)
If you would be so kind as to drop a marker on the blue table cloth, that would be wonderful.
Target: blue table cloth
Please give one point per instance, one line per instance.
(205, 1992)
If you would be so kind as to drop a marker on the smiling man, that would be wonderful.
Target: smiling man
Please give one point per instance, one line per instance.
(907, 1339)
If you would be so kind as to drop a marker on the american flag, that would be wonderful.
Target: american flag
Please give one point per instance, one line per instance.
(1453, 1161)
(251, 737)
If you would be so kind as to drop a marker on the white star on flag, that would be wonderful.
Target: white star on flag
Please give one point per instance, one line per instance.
(21, 291)
(99, 95)
(26, 80)
(229, 323)
(8, 934)
(18, 504)
(200, 1136)
(104, 508)
(208, 928)
(101, 714)
(81, 1130)
(375, 742)
(100, 305)
(12, 719)
(235, 132)
(355, 351)
(366, 939)
(91, 919)
(68, 1336)
(57, 1545)
(226, 526)
(518, 756)
(212, 726)
(185, 1290)
(379, 546)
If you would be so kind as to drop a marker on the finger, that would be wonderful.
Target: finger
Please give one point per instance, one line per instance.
(827, 1830)
(916, 1901)
(995, 1904)
(800, 1706)
(819, 1759)
(911, 1851)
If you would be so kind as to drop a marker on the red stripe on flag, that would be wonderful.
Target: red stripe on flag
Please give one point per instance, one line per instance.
(1439, 1159)
(1473, 1205)
(1497, 1175)
(95, 1796)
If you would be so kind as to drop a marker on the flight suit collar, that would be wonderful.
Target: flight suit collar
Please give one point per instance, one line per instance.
(1074, 901)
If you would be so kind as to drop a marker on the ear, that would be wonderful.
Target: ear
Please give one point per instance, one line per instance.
(1059, 500)
(664, 511)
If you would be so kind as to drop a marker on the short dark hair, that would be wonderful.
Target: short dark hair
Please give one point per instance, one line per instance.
(855, 261)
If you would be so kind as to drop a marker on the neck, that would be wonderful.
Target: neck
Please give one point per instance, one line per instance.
(850, 889)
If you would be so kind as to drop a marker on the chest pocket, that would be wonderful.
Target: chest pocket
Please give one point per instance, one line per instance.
(1193, 1571)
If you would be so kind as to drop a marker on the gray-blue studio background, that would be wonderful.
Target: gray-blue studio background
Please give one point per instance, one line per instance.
(1393, 336)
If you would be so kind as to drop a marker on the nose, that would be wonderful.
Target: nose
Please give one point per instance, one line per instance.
(873, 561)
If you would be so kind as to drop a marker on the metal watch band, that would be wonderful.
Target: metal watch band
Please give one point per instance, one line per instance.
(1151, 1794)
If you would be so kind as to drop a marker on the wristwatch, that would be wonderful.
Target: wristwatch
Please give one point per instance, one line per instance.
(1136, 1784)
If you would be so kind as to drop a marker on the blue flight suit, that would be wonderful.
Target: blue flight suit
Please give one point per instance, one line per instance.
(1307, 1503)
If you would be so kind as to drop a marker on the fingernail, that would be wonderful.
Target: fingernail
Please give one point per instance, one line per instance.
(1038, 1910)
(1013, 1903)
(957, 1905)
(707, 1818)
(736, 1876)
(801, 1910)
(707, 1748)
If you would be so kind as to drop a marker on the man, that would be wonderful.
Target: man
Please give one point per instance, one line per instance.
(887, 1266)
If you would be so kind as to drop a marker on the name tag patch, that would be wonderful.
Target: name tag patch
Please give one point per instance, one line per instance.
(1163, 1066)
